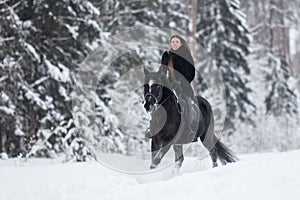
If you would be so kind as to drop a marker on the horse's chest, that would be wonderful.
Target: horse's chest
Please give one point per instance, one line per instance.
(158, 120)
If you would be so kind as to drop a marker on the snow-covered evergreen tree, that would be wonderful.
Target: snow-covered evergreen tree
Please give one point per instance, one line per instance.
(223, 33)
(280, 100)
(14, 52)
(274, 90)
(47, 40)
(271, 50)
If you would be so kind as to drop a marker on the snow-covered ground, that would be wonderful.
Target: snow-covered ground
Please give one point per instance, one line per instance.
(257, 176)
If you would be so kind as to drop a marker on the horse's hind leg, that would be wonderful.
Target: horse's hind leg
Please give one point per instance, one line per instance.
(214, 157)
(209, 144)
(178, 155)
(209, 140)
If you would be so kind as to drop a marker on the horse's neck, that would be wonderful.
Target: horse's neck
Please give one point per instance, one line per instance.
(169, 104)
(168, 100)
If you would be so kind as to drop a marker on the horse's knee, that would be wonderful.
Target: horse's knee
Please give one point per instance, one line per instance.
(179, 159)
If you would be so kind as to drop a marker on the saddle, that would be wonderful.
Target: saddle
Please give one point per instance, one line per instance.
(191, 116)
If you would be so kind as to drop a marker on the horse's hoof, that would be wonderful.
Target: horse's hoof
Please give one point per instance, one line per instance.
(152, 166)
(175, 171)
(176, 168)
(215, 164)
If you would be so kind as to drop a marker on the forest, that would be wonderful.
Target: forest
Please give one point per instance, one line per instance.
(67, 84)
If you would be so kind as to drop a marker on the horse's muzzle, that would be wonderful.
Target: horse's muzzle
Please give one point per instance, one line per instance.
(150, 101)
(149, 107)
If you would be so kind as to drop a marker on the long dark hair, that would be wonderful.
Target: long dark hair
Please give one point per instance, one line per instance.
(183, 42)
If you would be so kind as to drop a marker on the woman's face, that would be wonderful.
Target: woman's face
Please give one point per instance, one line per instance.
(175, 43)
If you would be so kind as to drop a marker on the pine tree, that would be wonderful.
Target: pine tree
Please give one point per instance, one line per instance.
(10, 75)
(49, 40)
(271, 49)
(273, 87)
(281, 100)
(223, 33)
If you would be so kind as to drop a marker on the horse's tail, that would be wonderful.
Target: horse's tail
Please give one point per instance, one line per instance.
(224, 153)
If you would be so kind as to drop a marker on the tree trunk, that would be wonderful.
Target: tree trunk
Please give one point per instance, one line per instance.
(3, 139)
(187, 10)
(279, 30)
(195, 9)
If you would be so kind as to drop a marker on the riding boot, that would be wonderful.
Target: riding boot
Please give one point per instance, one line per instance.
(197, 117)
(190, 118)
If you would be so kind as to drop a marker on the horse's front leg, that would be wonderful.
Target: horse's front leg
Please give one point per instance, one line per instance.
(178, 156)
(158, 151)
(155, 147)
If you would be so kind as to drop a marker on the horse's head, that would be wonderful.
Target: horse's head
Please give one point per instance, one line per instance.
(153, 90)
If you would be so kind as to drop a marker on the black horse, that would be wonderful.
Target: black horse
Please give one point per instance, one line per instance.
(162, 103)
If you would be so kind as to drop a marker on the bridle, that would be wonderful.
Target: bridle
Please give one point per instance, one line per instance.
(157, 99)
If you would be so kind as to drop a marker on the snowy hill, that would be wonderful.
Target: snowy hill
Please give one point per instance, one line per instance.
(257, 176)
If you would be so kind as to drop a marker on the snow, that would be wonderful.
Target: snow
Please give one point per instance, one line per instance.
(62, 90)
(39, 81)
(94, 24)
(70, 9)
(92, 8)
(7, 110)
(33, 52)
(257, 176)
(3, 78)
(19, 132)
(73, 30)
(60, 73)
(34, 97)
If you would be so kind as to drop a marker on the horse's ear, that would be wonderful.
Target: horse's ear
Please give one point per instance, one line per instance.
(163, 71)
(160, 71)
(161, 74)
(146, 88)
(146, 71)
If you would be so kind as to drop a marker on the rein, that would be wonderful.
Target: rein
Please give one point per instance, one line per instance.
(160, 105)
(180, 111)
(157, 106)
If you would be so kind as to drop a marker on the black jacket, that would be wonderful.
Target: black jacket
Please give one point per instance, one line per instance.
(183, 63)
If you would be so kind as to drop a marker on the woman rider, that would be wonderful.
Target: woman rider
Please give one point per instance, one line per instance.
(178, 63)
